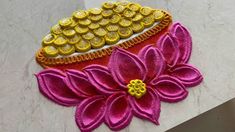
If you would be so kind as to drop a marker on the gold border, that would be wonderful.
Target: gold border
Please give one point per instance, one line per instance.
(45, 61)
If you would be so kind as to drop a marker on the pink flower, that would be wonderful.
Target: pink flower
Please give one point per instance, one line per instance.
(176, 47)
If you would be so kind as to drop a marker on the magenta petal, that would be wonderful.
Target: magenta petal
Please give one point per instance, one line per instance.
(153, 60)
(125, 66)
(185, 41)
(147, 107)
(187, 74)
(90, 113)
(51, 84)
(169, 47)
(77, 81)
(101, 78)
(169, 88)
(119, 113)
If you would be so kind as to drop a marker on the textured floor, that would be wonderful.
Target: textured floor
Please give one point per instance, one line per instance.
(23, 23)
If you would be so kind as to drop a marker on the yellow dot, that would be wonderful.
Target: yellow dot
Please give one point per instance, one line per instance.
(50, 51)
(59, 41)
(83, 46)
(48, 39)
(66, 49)
(80, 14)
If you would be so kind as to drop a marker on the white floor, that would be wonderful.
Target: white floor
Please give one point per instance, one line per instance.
(23, 23)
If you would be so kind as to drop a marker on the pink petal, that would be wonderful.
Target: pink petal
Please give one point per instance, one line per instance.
(187, 74)
(51, 84)
(90, 113)
(101, 78)
(147, 107)
(169, 47)
(185, 41)
(153, 60)
(77, 81)
(125, 66)
(119, 113)
(170, 89)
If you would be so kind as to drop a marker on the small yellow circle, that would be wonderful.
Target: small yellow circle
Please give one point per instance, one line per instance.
(119, 9)
(137, 27)
(137, 17)
(125, 32)
(108, 5)
(65, 22)
(80, 14)
(83, 46)
(73, 24)
(66, 49)
(84, 22)
(60, 40)
(50, 51)
(97, 42)
(95, 11)
(100, 32)
(158, 15)
(148, 21)
(123, 3)
(69, 32)
(81, 30)
(125, 22)
(95, 17)
(88, 36)
(112, 27)
(146, 11)
(107, 13)
(112, 37)
(115, 18)
(56, 29)
(134, 7)
(129, 13)
(94, 26)
(75, 39)
(48, 39)
(104, 22)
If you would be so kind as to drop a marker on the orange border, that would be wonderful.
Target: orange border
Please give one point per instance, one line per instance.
(47, 62)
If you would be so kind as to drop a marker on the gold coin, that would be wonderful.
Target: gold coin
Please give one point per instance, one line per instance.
(94, 26)
(84, 22)
(48, 39)
(88, 36)
(69, 32)
(137, 27)
(125, 32)
(112, 27)
(80, 14)
(158, 15)
(134, 6)
(115, 18)
(95, 11)
(60, 40)
(81, 30)
(146, 11)
(123, 3)
(66, 49)
(95, 17)
(125, 22)
(104, 22)
(148, 21)
(100, 32)
(83, 46)
(119, 9)
(108, 5)
(56, 29)
(97, 42)
(112, 37)
(75, 39)
(107, 13)
(50, 51)
(74, 23)
(129, 13)
(65, 22)
(137, 17)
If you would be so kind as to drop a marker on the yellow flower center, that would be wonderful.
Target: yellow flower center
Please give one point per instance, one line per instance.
(136, 88)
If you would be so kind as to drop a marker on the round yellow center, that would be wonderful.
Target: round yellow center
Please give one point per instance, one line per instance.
(136, 88)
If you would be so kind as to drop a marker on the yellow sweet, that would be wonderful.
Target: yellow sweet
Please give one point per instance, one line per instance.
(119, 9)
(66, 49)
(112, 37)
(125, 22)
(123, 3)
(137, 17)
(107, 13)
(50, 51)
(158, 15)
(69, 32)
(48, 39)
(148, 21)
(83, 46)
(80, 14)
(125, 32)
(97, 42)
(56, 29)
(75, 39)
(73, 24)
(146, 11)
(100, 32)
(95, 17)
(129, 13)
(84, 22)
(137, 27)
(95, 11)
(108, 5)
(88, 36)
(60, 40)
(112, 27)
(81, 30)
(65, 22)
(104, 22)
(94, 26)
(134, 6)
(115, 18)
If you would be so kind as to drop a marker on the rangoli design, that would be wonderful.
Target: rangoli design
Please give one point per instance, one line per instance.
(116, 62)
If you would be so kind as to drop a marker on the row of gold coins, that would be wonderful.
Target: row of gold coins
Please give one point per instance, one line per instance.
(96, 27)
